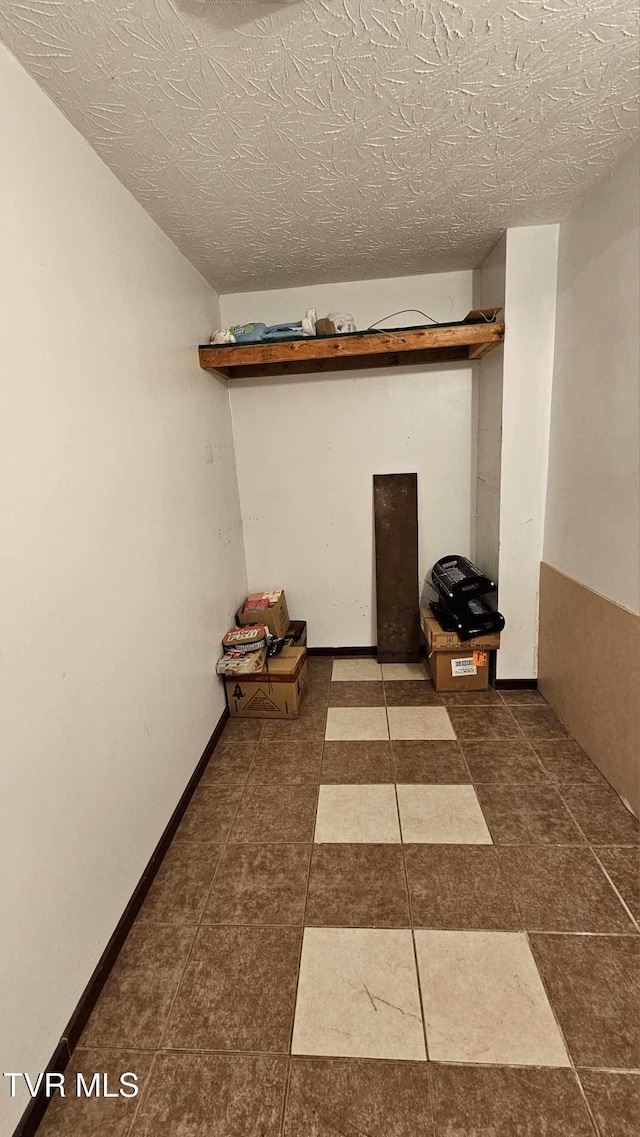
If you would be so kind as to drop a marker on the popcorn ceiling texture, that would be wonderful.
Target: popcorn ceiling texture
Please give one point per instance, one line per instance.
(318, 140)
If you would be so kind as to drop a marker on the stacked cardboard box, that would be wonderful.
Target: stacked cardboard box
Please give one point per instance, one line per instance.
(268, 608)
(258, 685)
(455, 664)
(273, 692)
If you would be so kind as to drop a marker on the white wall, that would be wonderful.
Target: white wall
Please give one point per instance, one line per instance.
(530, 304)
(592, 531)
(122, 558)
(512, 401)
(488, 291)
(307, 447)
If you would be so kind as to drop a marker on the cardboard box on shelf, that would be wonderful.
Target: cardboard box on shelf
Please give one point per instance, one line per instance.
(274, 692)
(232, 664)
(455, 664)
(439, 640)
(296, 634)
(275, 616)
(250, 638)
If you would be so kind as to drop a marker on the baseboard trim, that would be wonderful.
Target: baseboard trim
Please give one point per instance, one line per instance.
(516, 684)
(35, 1111)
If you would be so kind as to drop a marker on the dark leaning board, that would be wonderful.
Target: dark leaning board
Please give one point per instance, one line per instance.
(395, 506)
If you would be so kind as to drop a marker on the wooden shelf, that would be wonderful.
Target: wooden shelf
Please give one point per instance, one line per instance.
(433, 344)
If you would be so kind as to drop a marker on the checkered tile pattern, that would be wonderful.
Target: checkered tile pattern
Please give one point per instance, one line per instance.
(402, 914)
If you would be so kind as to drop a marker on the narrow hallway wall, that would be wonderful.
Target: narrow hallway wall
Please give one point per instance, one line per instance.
(530, 313)
(590, 584)
(512, 408)
(122, 558)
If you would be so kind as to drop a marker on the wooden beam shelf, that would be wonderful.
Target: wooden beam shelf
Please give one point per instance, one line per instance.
(436, 343)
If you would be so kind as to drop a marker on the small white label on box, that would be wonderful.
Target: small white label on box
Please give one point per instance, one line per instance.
(463, 667)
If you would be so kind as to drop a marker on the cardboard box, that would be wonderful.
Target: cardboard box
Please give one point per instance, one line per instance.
(231, 664)
(458, 671)
(272, 693)
(455, 664)
(439, 640)
(275, 617)
(296, 634)
(242, 641)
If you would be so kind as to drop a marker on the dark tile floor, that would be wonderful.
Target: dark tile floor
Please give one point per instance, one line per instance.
(452, 951)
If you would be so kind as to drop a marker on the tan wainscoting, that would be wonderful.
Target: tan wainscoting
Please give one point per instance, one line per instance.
(589, 671)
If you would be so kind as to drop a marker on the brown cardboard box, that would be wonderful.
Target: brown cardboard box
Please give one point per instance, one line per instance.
(241, 664)
(455, 664)
(296, 634)
(439, 640)
(275, 618)
(443, 664)
(273, 693)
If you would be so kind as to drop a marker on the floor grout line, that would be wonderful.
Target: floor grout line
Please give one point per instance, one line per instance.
(621, 898)
(145, 1093)
(168, 1050)
(285, 1095)
(585, 1099)
(406, 927)
(413, 936)
(550, 1003)
(636, 923)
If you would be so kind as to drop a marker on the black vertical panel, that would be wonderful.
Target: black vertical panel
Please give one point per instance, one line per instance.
(395, 506)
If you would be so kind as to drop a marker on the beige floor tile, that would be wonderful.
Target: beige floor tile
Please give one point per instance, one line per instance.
(419, 723)
(484, 1001)
(352, 724)
(350, 814)
(441, 815)
(358, 995)
(403, 671)
(353, 670)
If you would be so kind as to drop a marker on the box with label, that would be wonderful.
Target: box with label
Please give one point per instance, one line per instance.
(274, 692)
(241, 664)
(268, 608)
(455, 664)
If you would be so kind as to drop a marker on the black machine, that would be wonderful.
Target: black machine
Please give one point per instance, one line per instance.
(462, 605)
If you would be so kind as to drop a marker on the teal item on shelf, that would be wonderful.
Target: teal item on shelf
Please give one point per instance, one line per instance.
(248, 333)
(256, 331)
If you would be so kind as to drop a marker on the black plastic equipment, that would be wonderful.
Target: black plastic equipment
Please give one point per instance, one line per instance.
(470, 618)
(462, 605)
(456, 577)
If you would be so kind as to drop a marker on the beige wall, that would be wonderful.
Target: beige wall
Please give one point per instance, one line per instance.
(592, 526)
(122, 558)
(590, 673)
(590, 583)
(307, 448)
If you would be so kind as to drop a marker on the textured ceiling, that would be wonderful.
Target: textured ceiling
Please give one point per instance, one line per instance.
(299, 141)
